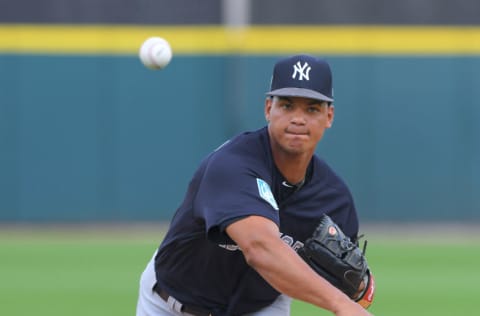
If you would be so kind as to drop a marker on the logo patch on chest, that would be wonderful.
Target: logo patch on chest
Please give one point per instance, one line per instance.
(266, 193)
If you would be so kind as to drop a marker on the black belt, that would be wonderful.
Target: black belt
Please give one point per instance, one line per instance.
(194, 310)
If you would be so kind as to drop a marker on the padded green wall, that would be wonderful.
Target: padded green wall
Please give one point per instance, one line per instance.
(102, 138)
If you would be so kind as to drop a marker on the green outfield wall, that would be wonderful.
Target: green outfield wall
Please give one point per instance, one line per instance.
(87, 133)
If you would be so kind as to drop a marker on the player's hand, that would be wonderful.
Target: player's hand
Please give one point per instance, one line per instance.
(360, 290)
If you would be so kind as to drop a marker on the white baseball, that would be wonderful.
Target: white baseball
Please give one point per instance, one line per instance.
(155, 53)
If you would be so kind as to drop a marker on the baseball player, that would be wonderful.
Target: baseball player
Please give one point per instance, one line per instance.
(231, 248)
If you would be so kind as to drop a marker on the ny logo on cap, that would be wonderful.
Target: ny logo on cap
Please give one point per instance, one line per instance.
(302, 71)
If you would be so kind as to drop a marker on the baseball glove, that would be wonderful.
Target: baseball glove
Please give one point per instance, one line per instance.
(337, 259)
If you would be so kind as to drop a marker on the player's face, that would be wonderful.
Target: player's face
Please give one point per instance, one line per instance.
(297, 124)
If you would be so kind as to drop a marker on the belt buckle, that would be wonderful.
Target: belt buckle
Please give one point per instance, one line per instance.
(176, 305)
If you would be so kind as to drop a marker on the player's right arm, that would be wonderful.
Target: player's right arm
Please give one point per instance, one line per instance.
(284, 270)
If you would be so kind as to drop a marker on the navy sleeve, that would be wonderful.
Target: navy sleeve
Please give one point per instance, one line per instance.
(230, 190)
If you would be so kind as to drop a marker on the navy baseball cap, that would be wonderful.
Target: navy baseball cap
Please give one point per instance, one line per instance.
(302, 76)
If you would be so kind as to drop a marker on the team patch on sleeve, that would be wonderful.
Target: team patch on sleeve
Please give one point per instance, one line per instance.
(266, 193)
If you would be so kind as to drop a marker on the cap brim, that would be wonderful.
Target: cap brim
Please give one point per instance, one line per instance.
(299, 92)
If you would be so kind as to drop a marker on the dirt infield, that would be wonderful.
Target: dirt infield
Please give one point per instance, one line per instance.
(431, 231)
(153, 231)
(86, 231)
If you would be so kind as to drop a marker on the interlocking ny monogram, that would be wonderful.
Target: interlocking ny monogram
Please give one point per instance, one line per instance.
(302, 71)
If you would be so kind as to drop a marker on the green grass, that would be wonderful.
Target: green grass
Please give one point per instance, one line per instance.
(95, 272)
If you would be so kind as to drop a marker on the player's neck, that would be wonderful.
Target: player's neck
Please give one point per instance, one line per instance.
(292, 167)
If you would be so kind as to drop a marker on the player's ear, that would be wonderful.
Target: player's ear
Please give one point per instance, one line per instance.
(268, 107)
(330, 115)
